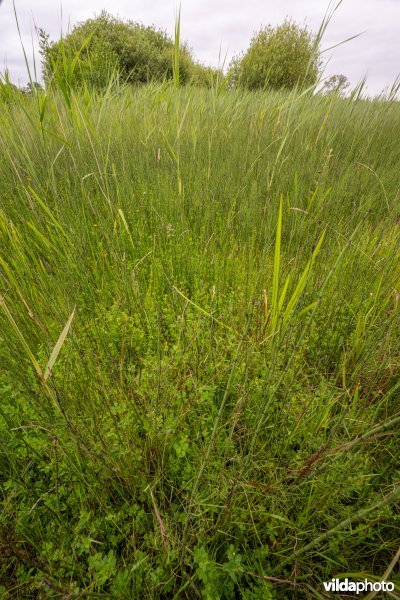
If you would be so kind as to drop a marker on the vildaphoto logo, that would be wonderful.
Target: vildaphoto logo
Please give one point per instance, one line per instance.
(346, 585)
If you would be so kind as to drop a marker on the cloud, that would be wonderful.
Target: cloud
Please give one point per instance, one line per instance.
(214, 27)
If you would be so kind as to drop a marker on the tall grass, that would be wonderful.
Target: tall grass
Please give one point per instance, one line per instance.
(219, 416)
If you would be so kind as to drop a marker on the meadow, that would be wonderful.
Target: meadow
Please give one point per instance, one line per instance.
(199, 343)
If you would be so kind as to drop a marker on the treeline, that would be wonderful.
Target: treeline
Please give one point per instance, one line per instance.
(105, 47)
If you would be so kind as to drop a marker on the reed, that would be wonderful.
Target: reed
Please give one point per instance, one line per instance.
(219, 416)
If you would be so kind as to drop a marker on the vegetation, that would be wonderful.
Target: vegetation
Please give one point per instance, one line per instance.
(285, 56)
(336, 84)
(97, 49)
(199, 342)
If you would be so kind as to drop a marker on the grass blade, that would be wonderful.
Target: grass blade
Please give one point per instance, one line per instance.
(277, 264)
(57, 347)
(21, 338)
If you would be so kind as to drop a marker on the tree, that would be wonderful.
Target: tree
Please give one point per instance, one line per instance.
(99, 47)
(32, 87)
(278, 57)
(336, 84)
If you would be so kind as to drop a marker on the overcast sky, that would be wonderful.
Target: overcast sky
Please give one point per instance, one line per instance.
(212, 27)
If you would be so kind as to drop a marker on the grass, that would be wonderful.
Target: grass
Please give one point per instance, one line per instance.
(199, 343)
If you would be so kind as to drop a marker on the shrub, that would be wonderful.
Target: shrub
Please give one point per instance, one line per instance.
(279, 57)
(99, 47)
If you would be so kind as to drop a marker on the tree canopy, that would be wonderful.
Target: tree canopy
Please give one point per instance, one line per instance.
(284, 56)
(279, 57)
(98, 47)
(336, 84)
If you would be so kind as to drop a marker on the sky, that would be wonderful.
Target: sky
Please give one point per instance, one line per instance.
(218, 29)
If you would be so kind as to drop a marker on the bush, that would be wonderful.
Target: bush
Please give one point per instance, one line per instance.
(279, 57)
(99, 47)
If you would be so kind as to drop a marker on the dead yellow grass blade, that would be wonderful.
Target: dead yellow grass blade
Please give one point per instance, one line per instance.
(57, 347)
